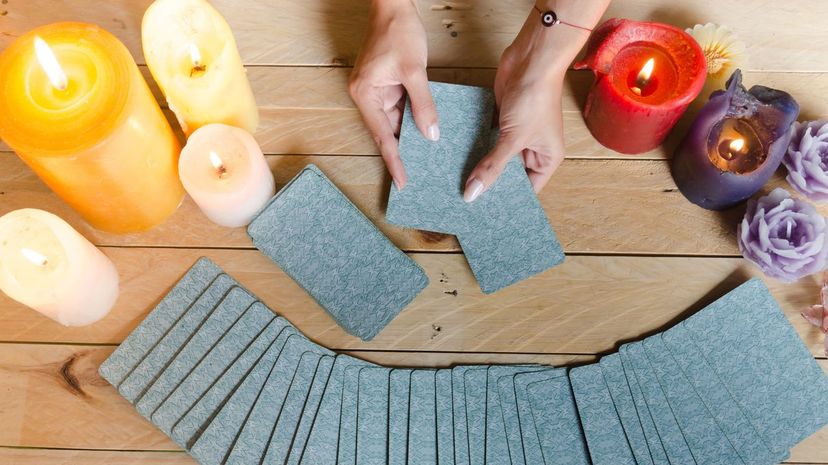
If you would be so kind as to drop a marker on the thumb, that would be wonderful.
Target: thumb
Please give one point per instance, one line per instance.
(489, 168)
(422, 104)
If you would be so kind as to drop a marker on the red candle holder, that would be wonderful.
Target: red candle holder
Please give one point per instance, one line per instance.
(646, 74)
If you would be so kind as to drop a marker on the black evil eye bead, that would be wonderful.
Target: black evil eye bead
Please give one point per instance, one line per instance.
(549, 18)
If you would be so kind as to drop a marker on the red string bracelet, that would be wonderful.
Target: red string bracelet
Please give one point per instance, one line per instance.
(550, 18)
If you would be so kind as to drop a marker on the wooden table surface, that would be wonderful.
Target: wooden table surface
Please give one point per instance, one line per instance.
(640, 257)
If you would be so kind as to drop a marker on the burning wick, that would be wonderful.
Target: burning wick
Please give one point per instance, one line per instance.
(195, 57)
(34, 257)
(643, 77)
(218, 165)
(48, 61)
(732, 148)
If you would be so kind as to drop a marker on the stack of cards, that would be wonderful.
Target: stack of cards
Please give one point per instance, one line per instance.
(233, 383)
(322, 240)
(733, 384)
(504, 234)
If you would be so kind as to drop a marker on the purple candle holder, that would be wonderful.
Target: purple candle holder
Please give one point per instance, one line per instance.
(734, 145)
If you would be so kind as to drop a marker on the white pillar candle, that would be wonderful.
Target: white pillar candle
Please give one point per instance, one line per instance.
(224, 171)
(191, 53)
(50, 267)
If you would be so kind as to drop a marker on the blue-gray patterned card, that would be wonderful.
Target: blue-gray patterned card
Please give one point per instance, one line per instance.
(505, 233)
(322, 240)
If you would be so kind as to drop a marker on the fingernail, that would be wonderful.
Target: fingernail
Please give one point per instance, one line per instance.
(397, 185)
(434, 132)
(473, 190)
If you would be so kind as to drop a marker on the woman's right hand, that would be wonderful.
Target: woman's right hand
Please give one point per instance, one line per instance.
(392, 61)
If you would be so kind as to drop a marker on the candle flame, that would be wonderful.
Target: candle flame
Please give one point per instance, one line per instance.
(645, 73)
(34, 257)
(643, 77)
(737, 145)
(195, 55)
(218, 164)
(48, 61)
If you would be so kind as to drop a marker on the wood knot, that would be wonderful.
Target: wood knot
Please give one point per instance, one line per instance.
(69, 378)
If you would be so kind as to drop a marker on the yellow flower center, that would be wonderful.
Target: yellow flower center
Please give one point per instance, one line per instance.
(716, 57)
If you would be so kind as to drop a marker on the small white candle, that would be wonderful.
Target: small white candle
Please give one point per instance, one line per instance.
(50, 267)
(192, 54)
(224, 171)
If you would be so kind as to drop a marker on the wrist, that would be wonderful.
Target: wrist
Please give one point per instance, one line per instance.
(554, 48)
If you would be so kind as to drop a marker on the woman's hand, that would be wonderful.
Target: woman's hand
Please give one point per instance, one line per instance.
(528, 88)
(392, 61)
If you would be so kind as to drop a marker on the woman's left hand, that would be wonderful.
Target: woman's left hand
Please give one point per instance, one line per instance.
(528, 87)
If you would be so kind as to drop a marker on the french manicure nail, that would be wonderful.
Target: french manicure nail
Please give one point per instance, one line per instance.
(434, 132)
(473, 191)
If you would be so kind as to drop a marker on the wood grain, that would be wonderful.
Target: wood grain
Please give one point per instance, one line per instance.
(61, 402)
(307, 110)
(641, 257)
(780, 37)
(595, 206)
(585, 306)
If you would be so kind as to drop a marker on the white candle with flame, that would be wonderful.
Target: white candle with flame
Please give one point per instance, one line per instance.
(192, 54)
(224, 171)
(50, 267)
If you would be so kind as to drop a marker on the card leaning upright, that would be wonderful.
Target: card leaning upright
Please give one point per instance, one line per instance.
(318, 237)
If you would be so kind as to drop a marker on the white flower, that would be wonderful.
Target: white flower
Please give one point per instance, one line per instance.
(723, 51)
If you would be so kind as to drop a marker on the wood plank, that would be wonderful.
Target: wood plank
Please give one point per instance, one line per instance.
(307, 110)
(595, 206)
(91, 457)
(585, 306)
(54, 397)
(59, 401)
(472, 34)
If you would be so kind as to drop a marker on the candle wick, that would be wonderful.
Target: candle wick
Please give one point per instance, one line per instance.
(50, 65)
(195, 57)
(218, 164)
(34, 257)
(643, 77)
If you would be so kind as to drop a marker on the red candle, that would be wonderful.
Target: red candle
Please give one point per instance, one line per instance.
(645, 76)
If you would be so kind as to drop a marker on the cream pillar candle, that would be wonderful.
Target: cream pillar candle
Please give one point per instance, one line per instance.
(50, 267)
(192, 54)
(224, 171)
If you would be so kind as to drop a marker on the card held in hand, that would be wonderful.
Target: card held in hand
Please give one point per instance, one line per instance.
(505, 233)
(319, 238)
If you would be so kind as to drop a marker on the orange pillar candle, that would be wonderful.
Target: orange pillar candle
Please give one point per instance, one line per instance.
(75, 108)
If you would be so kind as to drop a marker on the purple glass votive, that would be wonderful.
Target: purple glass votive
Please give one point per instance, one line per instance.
(734, 145)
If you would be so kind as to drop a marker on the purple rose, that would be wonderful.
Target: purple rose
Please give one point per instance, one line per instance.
(807, 159)
(785, 237)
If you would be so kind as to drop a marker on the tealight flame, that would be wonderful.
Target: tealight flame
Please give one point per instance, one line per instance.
(643, 76)
(34, 257)
(737, 145)
(195, 55)
(218, 164)
(48, 61)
